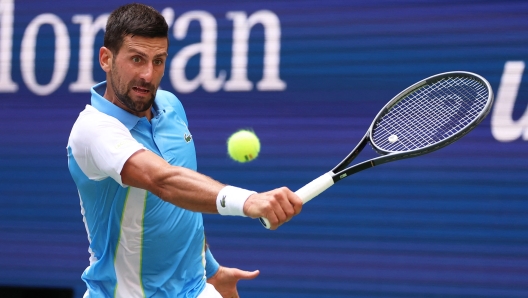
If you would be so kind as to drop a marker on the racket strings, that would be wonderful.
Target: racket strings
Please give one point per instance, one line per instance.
(430, 114)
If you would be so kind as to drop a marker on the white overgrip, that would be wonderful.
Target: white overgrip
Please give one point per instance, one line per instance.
(316, 187)
(309, 191)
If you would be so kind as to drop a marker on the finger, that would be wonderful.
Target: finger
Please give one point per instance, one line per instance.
(278, 210)
(287, 206)
(296, 202)
(241, 274)
(272, 219)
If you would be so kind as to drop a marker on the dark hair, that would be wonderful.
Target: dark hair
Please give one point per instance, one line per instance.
(133, 19)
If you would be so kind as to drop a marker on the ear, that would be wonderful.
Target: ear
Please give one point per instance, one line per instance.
(105, 59)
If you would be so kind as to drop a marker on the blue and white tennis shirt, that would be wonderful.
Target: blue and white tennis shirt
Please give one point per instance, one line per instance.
(140, 245)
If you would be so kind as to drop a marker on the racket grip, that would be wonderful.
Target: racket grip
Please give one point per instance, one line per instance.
(316, 187)
(308, 192)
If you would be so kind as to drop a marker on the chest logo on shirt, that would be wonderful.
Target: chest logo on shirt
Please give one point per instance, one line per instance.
(187, 137)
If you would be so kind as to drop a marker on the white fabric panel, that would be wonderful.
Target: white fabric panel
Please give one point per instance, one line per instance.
(128, 253)
(101, 145)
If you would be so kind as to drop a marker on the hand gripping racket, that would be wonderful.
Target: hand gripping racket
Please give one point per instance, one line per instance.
(425, 117)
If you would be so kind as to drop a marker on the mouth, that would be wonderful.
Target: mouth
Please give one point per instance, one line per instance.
(140, 90)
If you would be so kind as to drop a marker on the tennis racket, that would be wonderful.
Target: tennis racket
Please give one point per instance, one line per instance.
(425, 117)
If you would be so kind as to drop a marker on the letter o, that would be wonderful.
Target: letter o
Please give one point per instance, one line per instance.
(62, 54)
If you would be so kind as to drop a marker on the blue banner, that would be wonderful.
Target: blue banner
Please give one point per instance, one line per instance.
(308, 77)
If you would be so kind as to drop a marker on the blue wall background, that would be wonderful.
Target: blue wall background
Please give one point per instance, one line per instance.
(450, 224)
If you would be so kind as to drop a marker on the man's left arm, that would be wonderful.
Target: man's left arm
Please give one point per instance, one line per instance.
(224, 279)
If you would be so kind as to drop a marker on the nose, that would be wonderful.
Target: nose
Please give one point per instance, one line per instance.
(147, 72)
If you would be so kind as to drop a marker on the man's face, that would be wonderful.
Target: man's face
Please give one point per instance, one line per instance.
(136, 72)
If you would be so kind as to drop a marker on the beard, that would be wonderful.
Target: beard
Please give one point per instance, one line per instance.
(122, 91)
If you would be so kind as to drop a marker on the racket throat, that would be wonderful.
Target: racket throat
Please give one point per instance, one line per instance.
(356, 168)
(352, 155)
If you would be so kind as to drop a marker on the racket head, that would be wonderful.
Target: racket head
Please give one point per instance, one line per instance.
(431, 114)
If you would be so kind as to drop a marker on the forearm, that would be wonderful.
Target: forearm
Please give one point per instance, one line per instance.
(180, 186)
(194, 191)
(188, 189)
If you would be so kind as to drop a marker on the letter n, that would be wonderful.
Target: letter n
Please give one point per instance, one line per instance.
(272, 35)
(89, 30)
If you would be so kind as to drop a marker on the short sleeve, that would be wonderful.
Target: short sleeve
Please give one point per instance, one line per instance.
(101, 145)
(211, 265)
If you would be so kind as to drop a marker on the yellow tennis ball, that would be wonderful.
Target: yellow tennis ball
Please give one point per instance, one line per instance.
(243, 146)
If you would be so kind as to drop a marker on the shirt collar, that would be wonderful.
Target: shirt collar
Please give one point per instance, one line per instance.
(105, 106)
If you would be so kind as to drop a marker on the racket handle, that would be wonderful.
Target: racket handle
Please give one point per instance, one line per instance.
(308, 192)
(316, 187)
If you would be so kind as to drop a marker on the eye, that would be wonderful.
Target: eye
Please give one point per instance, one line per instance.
(158, 62)
(136, 59)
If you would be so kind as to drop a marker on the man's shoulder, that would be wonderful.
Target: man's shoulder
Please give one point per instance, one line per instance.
(166, 98)
(91, 119)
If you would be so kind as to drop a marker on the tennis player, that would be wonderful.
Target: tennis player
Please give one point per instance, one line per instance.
(132, 157)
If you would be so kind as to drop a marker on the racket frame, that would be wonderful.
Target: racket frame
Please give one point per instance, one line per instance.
(341, 171)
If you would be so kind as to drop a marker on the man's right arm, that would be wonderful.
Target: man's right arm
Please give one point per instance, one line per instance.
(191, 190)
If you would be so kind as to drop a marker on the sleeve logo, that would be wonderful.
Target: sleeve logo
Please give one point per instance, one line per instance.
(187, 137)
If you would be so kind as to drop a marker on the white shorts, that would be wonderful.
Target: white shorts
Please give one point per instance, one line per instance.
(209, 292)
